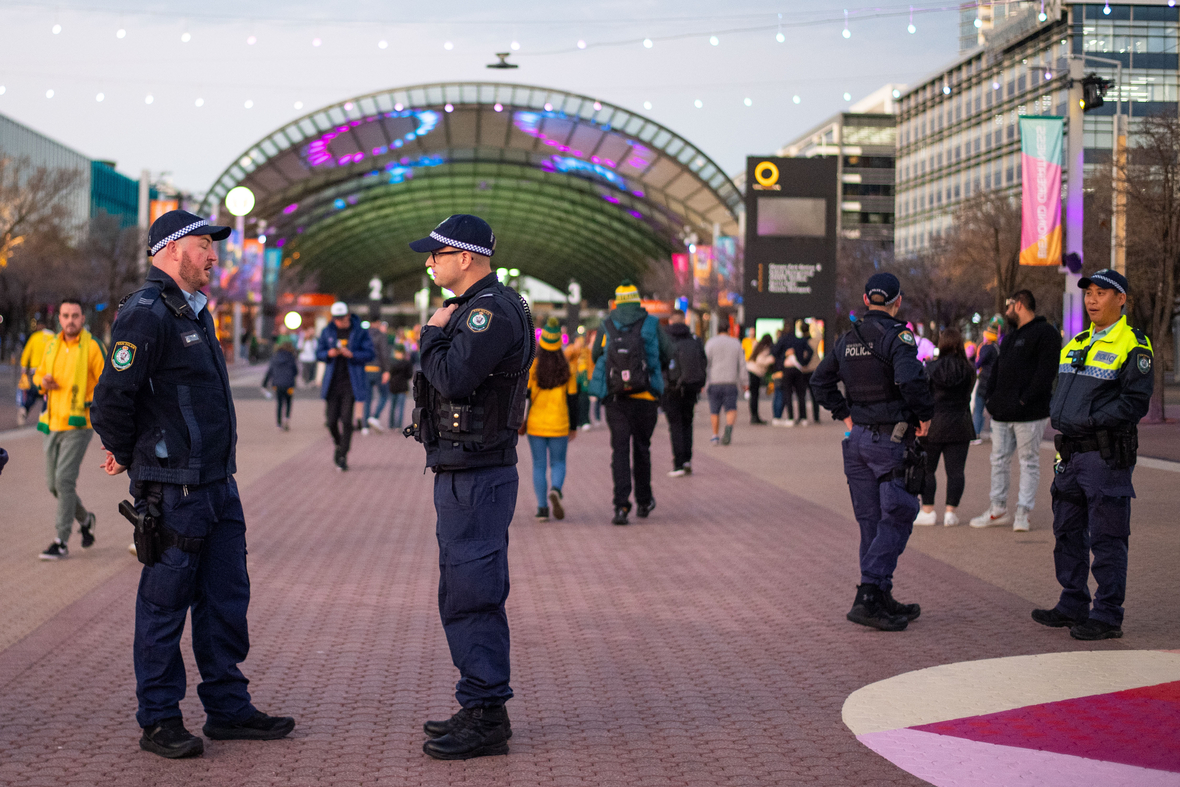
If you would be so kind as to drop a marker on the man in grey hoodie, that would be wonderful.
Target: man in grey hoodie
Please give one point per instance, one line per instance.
(726, 374)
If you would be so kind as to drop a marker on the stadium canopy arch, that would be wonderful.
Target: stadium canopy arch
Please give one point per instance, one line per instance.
(575, 188)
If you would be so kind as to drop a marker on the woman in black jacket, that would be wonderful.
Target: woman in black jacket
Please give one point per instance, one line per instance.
(952, 378)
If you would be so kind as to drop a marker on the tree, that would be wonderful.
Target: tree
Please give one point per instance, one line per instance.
(111, 259)
(1153, 236)
(986, 236)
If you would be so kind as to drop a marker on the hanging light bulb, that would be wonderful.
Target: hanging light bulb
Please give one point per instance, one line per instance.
(299, 105)
(99, 98)
(698, 103)
(49, 93)
(911, 27)
(185, 37)
(581, 44)
(317, 41)
(514, 46)
(200, 102)
(448, 46)
(780, 37)
(56, 29)
(796, 99)
(647, 42)
(847, 33)
(714, 40)
(251, 40)
(647, 105)
(120, 33)
(148, 99)
(847, 96)
(249, 104)
(748, 102)
(382, 44)
(978, 23)
(1106, 9)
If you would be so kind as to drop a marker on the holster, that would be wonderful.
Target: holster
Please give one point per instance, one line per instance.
(420, 426)
(152, 536)
(912, 472)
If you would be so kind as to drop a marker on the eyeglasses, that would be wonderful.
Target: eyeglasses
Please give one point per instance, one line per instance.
(434, 254)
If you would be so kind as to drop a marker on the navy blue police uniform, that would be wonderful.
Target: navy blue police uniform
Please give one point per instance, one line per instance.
(1104, 388)
(469, 404)
(163, 408)
(887, 390)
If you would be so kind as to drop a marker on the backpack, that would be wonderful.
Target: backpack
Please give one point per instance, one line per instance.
(626, 359)
(687, 370)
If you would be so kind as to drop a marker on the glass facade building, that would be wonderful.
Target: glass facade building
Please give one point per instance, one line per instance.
(958, 132)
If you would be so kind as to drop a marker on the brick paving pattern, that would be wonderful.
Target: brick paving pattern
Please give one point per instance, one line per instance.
(704, 646)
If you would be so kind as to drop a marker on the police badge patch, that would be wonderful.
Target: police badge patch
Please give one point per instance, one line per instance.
(123, 356)
(907, 337)
(479, 320)
(1144, 364)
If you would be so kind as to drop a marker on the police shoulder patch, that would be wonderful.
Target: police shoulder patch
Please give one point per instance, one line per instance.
(479, 320)
(908, 338)
(122, 356)
(1143, 362)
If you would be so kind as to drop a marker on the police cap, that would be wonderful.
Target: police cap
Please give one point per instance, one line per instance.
(176, 224)
(883, 289)
(461, 231)
(1106, 279)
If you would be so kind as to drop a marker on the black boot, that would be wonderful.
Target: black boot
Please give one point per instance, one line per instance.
(869, 610)
(170, 739)
(897, 609)
(437, 729)
(480, 733)
(621, 516)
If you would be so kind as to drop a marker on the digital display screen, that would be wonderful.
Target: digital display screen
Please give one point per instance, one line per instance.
(798, 217)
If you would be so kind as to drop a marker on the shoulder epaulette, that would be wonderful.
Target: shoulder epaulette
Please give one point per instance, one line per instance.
(1141, 337)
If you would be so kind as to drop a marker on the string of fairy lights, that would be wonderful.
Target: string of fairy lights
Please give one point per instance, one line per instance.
(843, 23)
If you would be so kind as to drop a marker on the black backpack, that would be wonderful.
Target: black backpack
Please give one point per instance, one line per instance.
(626, 359)
(687, 369)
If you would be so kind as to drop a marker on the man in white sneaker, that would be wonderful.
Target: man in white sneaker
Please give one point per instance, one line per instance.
(1018, 395)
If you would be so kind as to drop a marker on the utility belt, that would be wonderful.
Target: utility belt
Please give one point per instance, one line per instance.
(152, 536)
(436, 419)
(1119, 449)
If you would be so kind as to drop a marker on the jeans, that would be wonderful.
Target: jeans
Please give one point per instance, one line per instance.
(373, 379)
(631, 423)
(63, 457)
(548, 454)
(979, 411)
(778, 402)
(1023, 437)
(397, 410)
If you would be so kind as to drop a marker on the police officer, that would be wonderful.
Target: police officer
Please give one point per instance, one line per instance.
(165, 414)
(469, 402)
(1104, 386)
(887, 406)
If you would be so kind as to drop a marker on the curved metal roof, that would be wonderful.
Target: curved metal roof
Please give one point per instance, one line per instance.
(573, 187)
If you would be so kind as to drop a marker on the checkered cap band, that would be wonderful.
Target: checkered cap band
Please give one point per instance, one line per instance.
(178, 235)
(1108, 282)
(461, 245)
(884, 295)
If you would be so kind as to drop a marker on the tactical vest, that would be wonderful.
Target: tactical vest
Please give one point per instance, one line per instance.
(865, 370)
(471, 432)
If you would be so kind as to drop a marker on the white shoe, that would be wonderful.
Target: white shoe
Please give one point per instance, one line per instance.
(977, 441)
(925, 518)
(804, 422)
(585, 427)
(788, 422)
(373, 422)
(776, 422)
(365, 430)
(993, 517)
(950, 519)
(677, 473)
(1020, 524)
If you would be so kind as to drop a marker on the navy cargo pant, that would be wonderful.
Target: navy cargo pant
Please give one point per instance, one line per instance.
(883, 509)
(1092, 512)
(214, 584)
(474, 510)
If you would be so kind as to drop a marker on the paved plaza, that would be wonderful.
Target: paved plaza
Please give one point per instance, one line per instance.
(705, 645)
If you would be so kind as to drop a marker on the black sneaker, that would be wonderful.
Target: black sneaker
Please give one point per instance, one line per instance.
(643, 510)
(897, 609)
(481, 732)
(1054, 619)
(56, 551)
(620, 516)
(258, 727)
(170, 739)
(542, 514)
(1095, 629)
(687, 468)
(555, 503)
(868, 610)
(437, 729)
(87, 531)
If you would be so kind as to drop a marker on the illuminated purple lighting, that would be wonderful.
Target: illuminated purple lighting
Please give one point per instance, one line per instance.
(636, 214)
(282, 242)
(548, 107)
(294, 206)
(612, 199)
(498, 107)
(639, 194)
(398, 107)
(318, 153)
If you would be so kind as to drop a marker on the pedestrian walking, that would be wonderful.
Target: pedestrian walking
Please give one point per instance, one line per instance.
(281, 375)
(578, 354)
(27, 393)
(307, 359)
(686, 375)
(952, 378)
(346, 349)
(401, 371)
(165, 414)
(552, 420)
(725, 374)
(794, 355)
(985, 362)
(758, 363)
(476, 353)
(69, 369)
(377, 378)
(1104, 388)
(886, 407)
(629, 354)
(1018, 394)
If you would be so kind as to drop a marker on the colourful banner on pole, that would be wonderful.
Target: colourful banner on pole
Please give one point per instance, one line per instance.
(1040, 147)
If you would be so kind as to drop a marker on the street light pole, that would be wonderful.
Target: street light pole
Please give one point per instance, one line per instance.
(1118, 160)
(1072, 306)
